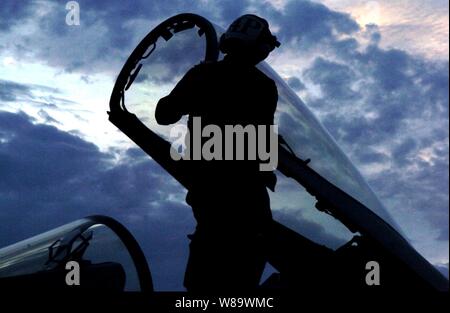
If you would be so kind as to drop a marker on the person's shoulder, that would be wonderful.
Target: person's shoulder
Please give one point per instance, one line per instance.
(204, 68)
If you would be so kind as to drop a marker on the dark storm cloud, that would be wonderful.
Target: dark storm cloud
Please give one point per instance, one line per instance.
(399, 91)
(373, 32)
(41, 161)
(9, 91)
(296, 84)
(390, 68)
(369, 156)
(14, 12)
(404, 149)
(38, 163)
(335, 79)
(309, 22)
(444, 232)
(107, 33)
(393, 85)
(39, 96)
(12, 91)
(424, 189)
(109, 30)
(435, 78)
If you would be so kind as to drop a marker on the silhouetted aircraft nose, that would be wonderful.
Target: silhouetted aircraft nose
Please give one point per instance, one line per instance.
(95, 253)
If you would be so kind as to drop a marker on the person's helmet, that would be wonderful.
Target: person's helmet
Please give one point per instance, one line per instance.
(248, 32)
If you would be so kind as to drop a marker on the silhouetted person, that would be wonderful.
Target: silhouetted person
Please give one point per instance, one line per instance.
(229, 199)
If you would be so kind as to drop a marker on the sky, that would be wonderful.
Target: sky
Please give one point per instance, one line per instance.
(375, 73)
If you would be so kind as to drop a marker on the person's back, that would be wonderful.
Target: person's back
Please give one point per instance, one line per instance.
(229, 198)
(226, 93)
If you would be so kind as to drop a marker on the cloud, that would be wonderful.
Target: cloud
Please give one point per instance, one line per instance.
(13, 12)
(108, 31)
(369, 156)
(401, 152)
(335, 79)
(296, 84)
(11, 91)
(41, 168)
(106, 35)
(307, 23)
(389, 111)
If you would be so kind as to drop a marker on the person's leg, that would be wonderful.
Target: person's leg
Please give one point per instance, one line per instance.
(224, 264)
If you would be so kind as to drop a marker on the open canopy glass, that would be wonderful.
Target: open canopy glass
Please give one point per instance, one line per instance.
(108, 256)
